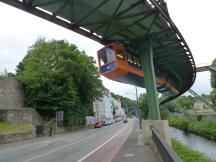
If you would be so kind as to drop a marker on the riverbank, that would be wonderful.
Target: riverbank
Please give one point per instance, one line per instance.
(187, 154)
(204, 128)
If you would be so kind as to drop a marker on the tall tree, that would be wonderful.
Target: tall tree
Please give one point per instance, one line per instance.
(213, 84)
(186, 101)
(56, 75)
(143, 101)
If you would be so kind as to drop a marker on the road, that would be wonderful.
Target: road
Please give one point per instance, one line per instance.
(71, 147)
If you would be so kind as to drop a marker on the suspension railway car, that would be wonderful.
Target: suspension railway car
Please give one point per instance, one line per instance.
(118, 64)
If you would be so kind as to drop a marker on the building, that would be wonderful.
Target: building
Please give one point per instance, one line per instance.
(103, 107)
(119, 111)
(198, 105)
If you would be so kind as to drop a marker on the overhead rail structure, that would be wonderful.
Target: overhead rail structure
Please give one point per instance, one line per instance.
(141, 26)
(202, 99)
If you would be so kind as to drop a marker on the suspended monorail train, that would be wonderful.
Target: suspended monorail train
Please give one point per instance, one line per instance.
(121, 65)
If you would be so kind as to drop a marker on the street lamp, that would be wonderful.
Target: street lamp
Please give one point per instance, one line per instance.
(138, 109)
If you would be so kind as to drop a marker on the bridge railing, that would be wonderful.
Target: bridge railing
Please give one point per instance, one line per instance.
(166, 152)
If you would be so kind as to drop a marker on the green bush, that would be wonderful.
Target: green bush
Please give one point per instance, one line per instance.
(203, 128)
(180, 123)
(187, 154)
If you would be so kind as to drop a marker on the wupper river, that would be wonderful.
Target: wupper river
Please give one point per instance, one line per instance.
(195, 142)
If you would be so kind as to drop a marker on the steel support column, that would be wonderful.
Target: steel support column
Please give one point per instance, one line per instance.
(150, 83)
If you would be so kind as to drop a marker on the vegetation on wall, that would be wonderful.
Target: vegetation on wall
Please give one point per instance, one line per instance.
(6, 74)
(56, 76)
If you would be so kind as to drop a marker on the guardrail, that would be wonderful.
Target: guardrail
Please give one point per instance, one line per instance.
(166, 152)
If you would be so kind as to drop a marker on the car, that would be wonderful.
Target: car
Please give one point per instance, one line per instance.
(105, 123)
(109, 122)
(125, 121)
(98, 125)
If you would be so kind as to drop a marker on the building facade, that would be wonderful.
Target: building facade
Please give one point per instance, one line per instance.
(103, 107)
(119, 111)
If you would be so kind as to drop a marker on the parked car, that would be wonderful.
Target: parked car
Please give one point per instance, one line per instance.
(125, 121)
(109, 122)
(98, 125)
(105, 123)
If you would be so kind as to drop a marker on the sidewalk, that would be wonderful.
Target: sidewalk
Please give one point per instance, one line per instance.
(134, 149)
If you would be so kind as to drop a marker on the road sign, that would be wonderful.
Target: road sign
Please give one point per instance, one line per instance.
(60, 116)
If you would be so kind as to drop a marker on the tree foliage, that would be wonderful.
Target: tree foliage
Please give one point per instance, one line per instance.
(186, 102)
(213, 75)
(57, 76)
(213, 84)
(125, 102)
(213, 96)
(143, 103)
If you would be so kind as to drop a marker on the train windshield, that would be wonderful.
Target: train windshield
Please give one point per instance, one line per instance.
(106, 55)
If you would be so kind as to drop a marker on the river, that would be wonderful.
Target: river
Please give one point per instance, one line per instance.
(195, 142)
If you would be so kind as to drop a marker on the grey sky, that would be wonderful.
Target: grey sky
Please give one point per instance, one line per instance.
(18, 30)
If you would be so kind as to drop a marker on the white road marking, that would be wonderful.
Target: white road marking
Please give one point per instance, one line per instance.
(60, 148)
(83, 158)
(129, 155)
(35, 147)
(41, 142)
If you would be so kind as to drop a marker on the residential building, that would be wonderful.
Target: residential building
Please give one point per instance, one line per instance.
(119, 111)
(103, 107)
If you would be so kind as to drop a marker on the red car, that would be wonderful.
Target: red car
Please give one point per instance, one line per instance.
(98, 125)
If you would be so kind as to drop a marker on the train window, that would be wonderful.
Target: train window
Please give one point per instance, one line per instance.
(136, 61)
(106, 56)
(120, 54)
(130, 58)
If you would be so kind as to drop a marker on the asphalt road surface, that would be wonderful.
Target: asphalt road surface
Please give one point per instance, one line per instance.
(71, 147)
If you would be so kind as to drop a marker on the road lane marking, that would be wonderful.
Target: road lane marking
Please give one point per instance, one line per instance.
(111, 138)
(35, 147)
(129, 155)
(44, 141)
(60, 148)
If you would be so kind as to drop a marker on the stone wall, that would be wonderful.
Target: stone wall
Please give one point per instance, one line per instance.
(11, 94)
(20, 116)
(17, 136)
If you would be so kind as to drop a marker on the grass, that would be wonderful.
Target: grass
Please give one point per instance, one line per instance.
(203, 128)
(187, 154)
(6, 128)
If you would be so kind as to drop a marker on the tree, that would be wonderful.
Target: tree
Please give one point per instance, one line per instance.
(186, 101)
(143, 101)
(213, 75)
(125, 102)
(213, 96)
(213, 84)
(57, 76)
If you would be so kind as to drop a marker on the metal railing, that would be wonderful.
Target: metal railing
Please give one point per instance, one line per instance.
(166, 152)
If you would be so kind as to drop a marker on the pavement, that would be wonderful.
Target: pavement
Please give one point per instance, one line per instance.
(117, 142)
(134, 149)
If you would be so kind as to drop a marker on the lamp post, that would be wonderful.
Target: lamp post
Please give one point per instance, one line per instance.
(138, 109)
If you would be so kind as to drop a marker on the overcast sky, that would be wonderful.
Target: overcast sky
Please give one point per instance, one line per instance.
(194, 19)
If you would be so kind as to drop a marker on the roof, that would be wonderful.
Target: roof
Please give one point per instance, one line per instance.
(127, 22)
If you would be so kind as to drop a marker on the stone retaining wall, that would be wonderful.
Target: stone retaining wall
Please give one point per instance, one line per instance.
(19, 116)
(11, 94)
(17, 136)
